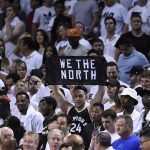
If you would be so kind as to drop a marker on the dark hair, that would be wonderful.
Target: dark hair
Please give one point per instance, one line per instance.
(107, 18)
(145, 133)
(28, 41)
(13, 76)
(54, 52)
(145, 73)
(111, 63)
(79, 87)
(81, 24)
(45, 36)
(109, 113)
(23, 93)
(59, 2)
(52, 119)
(99, 105)
(37, 73)
(135, 15)
(93, 51)
(50, 101)
(104, 139)
(124, 40)
(64, 116)
(92, 41)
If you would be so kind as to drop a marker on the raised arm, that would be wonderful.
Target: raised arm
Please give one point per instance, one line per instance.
(63, 104)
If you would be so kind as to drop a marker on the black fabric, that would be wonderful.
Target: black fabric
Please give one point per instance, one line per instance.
(73, 70)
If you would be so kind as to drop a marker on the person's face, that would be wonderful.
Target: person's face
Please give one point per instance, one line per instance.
(136, 23)
(6, 134)
(95, 113)
(20, 87)
(111, 90)
(79, 26)
(59, 8)
(29, 143)
(49, 52)
(133, 78)
(74, 41)
(33, 87)
(55, 140)
(23, 47)
(126, 101)
(62, 32)
(39, 37)
(146, 100)
(62, 124)
(110, 26)
(9, 83)
(21, 71)
(2, 48)
(112, 72)
(44, 108)
(98, 46)
(145, 143)
(10, 11)
(121, 127)
(22, 103)
(145, 82)
(108, 123)
(126, 50)
(79, 98)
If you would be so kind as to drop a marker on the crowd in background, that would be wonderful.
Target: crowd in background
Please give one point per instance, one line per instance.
(37, 116)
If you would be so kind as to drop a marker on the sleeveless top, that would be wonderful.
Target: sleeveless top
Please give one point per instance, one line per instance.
(79, 120)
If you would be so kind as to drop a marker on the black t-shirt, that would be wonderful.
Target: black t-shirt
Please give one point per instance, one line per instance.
(79, 120)
(141, 44)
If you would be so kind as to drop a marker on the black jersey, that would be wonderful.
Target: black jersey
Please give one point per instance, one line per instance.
(79, 120)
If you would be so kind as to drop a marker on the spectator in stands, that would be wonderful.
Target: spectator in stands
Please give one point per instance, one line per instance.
(96, 125)
(76, 48)
(145, 139)
(55, 139)
(108, 118)
(12, 29)
(145, 79)
(41, 41)
(30, 140)
(103, 141)
(129, 57)
(136, 35)
(111, 37)
(124, 127)
(31, 57)
(117, 11)
(32, 120)
(86, 12)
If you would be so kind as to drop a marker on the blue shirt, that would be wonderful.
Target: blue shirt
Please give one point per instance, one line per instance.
(125, 64)
(130, 143)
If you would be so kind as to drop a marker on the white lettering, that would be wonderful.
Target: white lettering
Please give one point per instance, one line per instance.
(92, 63)
(85, 64)
(71, 74)
(78, 63)
(78, 74)
(63, 74)
(69, 63)
(93, 74)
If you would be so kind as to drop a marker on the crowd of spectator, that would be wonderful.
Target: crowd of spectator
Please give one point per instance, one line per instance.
(37, 116)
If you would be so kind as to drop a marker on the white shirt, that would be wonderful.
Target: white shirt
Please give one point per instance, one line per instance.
(32, 121)
(33, 61)
(109, 45)
(137, 120)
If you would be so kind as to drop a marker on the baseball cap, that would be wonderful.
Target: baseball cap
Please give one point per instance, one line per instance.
(73, 32)
(132, 93)
(112, 82)
(136, 70)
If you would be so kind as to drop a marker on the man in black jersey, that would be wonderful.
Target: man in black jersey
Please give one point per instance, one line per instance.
(78, 112)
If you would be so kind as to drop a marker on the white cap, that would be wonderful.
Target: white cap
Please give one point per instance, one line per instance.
(130, 92)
